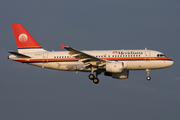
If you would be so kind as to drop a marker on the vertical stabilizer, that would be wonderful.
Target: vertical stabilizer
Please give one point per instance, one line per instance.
(24, 41)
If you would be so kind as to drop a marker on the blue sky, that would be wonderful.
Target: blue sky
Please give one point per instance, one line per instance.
(28, 92)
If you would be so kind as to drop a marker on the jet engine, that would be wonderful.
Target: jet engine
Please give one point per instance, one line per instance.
(123, 75)
(115, 67)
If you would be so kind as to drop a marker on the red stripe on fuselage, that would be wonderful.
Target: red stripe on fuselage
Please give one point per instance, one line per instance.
(74, 59)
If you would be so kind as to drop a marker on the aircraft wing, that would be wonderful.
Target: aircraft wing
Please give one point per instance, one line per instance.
(84, 57)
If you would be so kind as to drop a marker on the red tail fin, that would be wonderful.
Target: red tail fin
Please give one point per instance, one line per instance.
(23, 38)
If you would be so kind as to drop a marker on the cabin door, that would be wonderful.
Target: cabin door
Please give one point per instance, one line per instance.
(147, 55)
(45, 57)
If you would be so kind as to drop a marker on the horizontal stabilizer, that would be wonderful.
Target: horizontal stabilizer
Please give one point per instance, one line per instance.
(19, 55)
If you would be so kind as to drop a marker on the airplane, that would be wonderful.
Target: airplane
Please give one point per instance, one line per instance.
(113, 63)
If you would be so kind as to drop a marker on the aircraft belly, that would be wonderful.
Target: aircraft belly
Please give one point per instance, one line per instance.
(64, 66)
(131, 65)
(39, 64)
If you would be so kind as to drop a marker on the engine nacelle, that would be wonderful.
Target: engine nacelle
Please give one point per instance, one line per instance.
(115, 67)
(123, 75)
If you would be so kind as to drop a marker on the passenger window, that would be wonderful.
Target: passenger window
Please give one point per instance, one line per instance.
(67, 56)
(157, 55)
(62, 56)
(54, 56)
(112, 55)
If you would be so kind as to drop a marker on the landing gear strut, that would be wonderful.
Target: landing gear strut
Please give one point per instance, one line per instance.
(148, 77)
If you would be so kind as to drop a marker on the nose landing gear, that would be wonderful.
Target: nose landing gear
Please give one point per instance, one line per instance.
(148, 77)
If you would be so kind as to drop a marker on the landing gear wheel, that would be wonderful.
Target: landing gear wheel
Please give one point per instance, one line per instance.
(91, 76)
(148, 78)
(96, 80)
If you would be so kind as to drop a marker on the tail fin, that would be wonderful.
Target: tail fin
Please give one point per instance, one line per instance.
(24, 41)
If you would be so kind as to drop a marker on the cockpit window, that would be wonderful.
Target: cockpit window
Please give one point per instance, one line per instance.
(160, 55)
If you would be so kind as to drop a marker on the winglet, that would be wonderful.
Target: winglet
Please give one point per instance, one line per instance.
(62, 46)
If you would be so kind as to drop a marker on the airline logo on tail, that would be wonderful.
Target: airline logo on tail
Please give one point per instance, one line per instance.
(23, 38)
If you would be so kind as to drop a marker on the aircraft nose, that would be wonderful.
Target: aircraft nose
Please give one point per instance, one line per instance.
(170, 63)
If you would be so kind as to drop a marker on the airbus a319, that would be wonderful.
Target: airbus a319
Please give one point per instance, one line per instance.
(113, 63)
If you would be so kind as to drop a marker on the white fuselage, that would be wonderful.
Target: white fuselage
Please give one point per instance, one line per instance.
(61, 60)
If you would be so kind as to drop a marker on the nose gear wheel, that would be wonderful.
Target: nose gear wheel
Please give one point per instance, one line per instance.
(148, 77)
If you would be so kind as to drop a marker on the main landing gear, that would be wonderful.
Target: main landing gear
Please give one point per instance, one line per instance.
(148, 77)
(94, 78)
